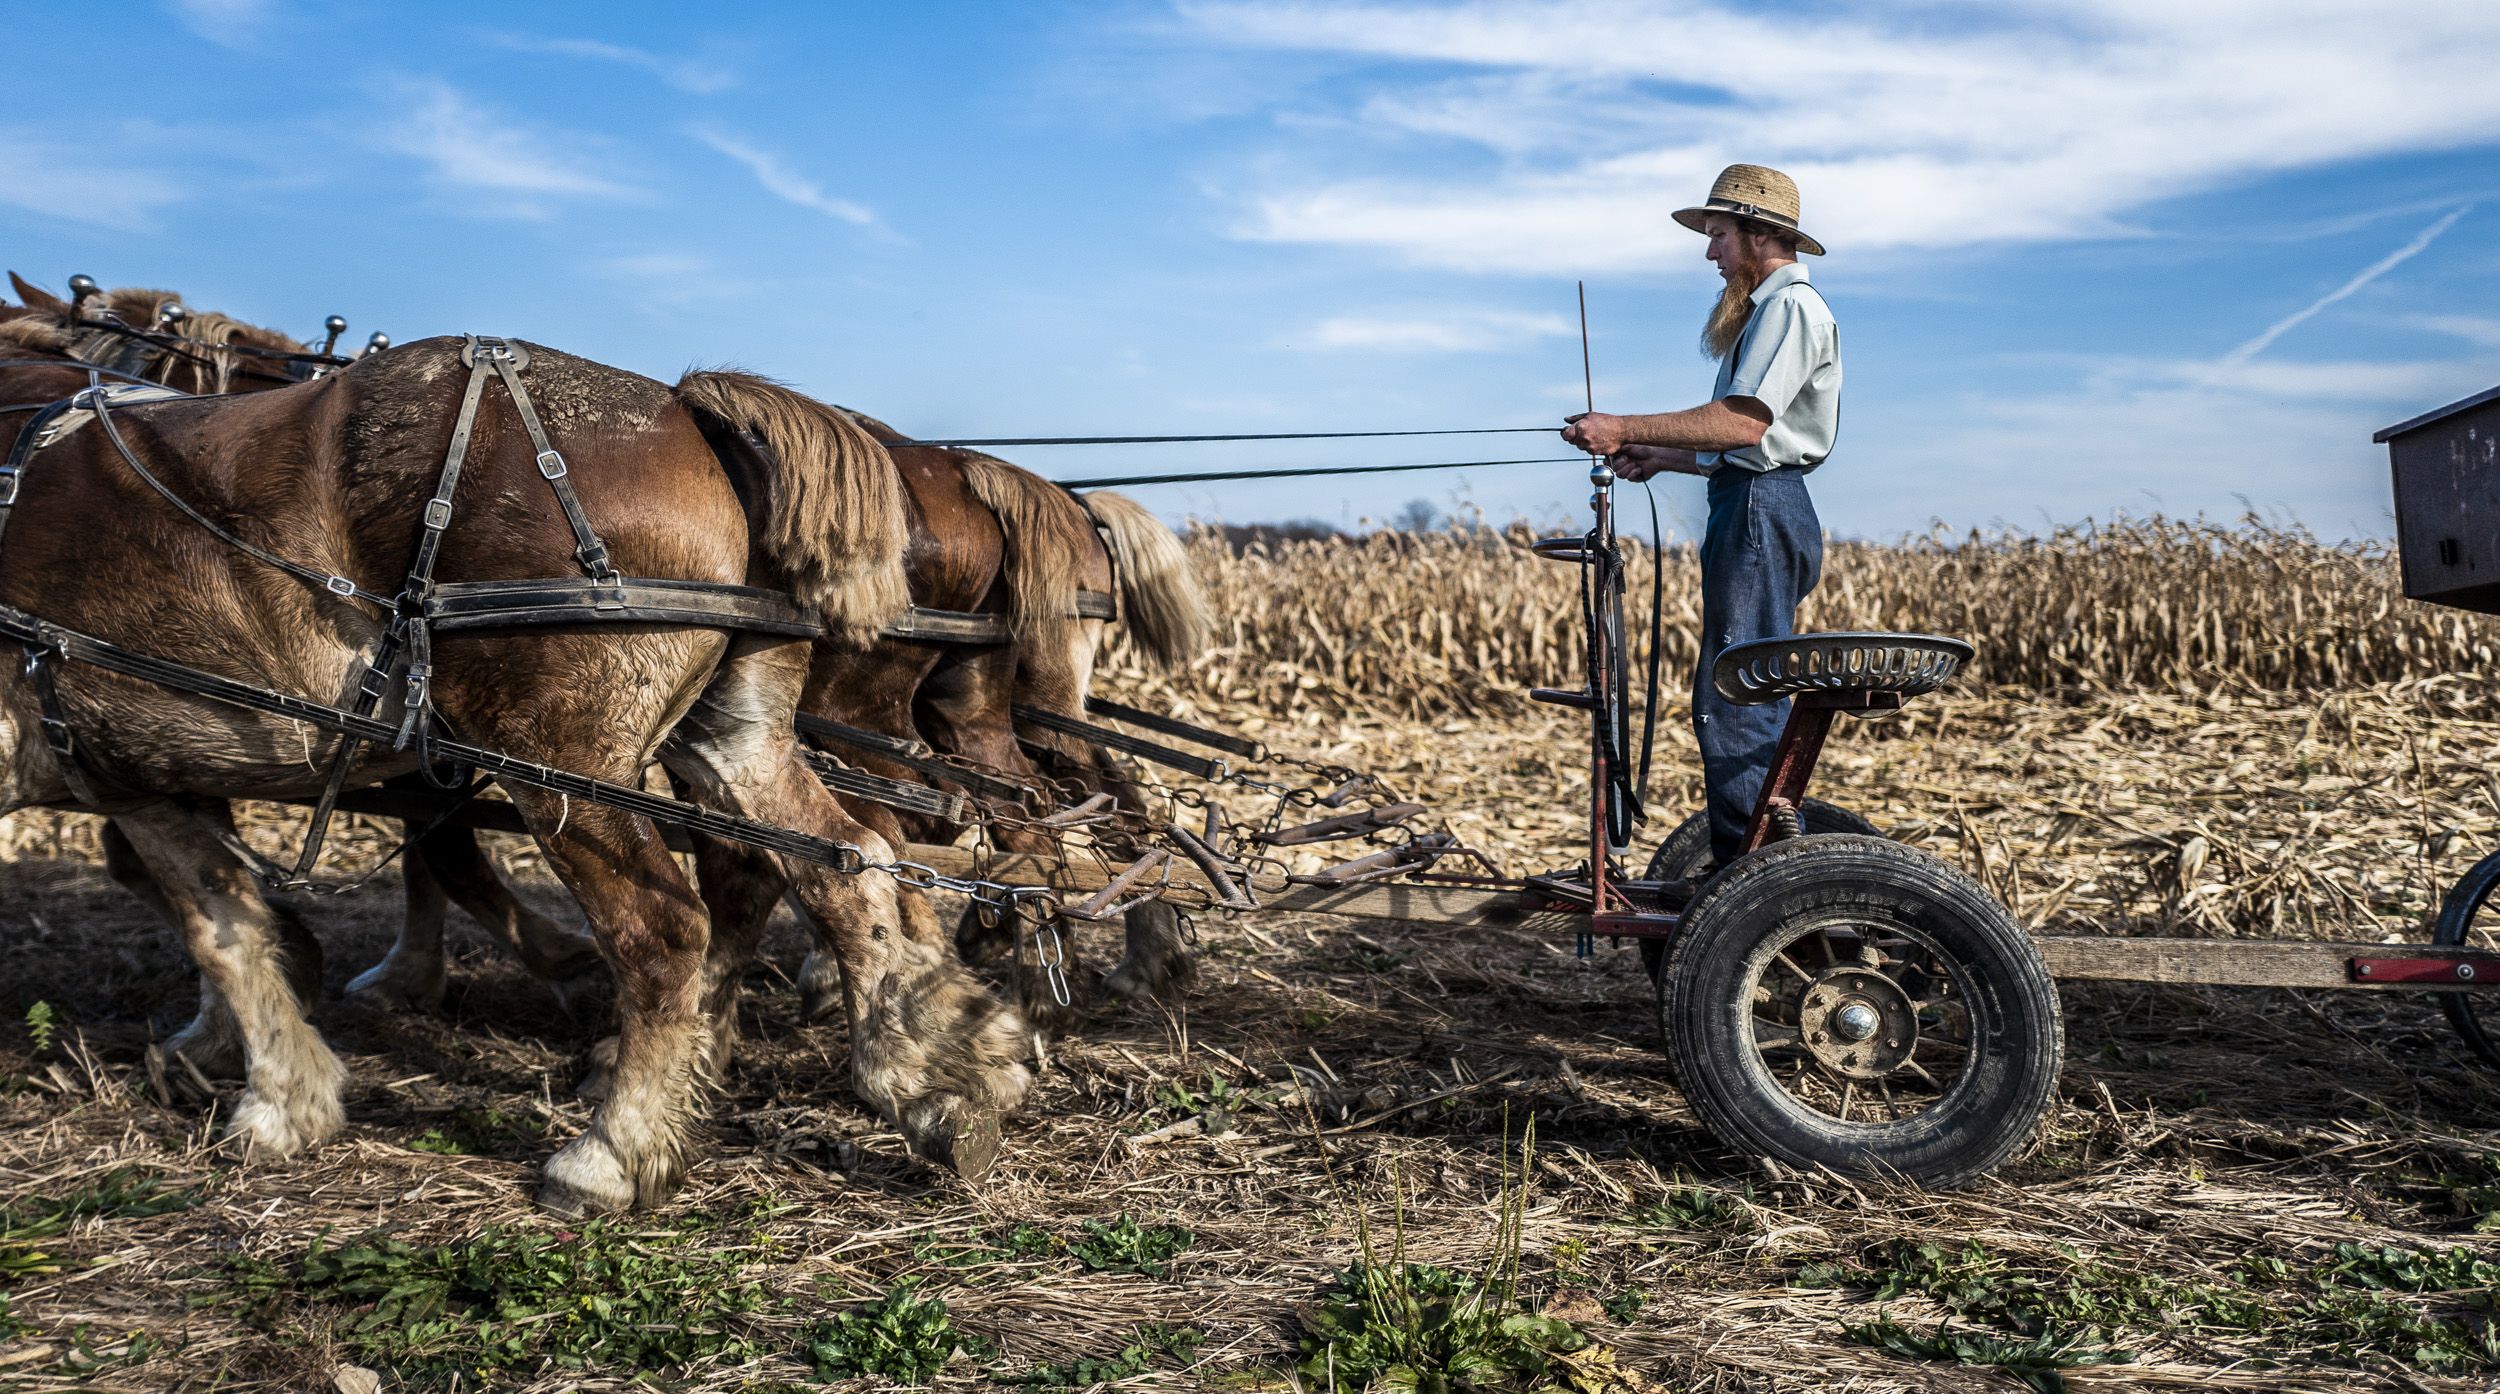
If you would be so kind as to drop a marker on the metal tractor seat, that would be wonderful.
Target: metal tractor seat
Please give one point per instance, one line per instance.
(1873, 669)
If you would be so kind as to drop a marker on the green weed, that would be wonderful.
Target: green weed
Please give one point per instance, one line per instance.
(2037, 1361)
(1125, 1246)
(974, 1249)
(509, 1298)
(475, 1130)
(899, 1336)
(2339, 1311)
(1388, 1324)
(123, 1193)
(40, 1027)
(10, 1327)
(1695, 1208)
(1152, 1342)
(1412, 1326)
(1624, 1306)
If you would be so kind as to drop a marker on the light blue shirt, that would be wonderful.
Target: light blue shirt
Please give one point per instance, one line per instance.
(1789, 361)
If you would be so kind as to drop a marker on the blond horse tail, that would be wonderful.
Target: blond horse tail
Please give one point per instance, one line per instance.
(829, 507)
(1161, 603)
(1049, 540)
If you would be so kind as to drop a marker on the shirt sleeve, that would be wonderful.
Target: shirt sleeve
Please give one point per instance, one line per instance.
(1777, 357)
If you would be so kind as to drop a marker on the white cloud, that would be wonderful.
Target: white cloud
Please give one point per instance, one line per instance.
(232, 23)
(1470, 332)
(1561, 131)
(61, 179)
(783, 182)
(697, 75)
(2482, 331)
(521, 171)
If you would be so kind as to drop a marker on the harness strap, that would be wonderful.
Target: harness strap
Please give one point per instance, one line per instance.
(627, 600)
(100, 399)
(1196, 766)
(16, 626)
(31, 437)
(507, 359)
(41, 659)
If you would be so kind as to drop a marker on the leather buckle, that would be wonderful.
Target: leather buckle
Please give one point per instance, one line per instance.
(339, 586)
(438, 514)
(8, 485)
(551, 464)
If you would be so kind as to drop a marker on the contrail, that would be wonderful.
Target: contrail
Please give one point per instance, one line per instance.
(2370, 273)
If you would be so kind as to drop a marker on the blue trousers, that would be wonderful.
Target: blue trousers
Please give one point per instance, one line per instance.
(1760, 555)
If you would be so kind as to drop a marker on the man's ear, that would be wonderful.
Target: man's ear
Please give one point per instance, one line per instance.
(36, 299)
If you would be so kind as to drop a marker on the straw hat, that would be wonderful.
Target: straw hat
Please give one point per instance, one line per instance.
(1763, 195)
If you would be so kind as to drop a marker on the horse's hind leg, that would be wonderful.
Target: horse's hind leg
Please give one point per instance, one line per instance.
(212, 1041)
(291, 1098)
(411, 977)
(930, 1047)
(449, 865)
(653, 933)
(1158, 963)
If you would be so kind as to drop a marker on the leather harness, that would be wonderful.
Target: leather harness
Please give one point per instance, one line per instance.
(423, 605)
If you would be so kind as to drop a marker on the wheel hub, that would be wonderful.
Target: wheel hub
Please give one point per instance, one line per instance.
(1858, 1023)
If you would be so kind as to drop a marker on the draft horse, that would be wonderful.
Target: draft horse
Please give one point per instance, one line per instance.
(187, 529)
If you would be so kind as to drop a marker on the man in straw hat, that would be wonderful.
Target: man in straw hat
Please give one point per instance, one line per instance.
(1769, 421)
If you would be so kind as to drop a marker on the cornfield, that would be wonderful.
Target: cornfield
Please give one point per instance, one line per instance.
(1460, 622)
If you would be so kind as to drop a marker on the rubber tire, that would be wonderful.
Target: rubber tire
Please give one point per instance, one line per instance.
(1990, 1115)
(2469, 895)
(1686, 852)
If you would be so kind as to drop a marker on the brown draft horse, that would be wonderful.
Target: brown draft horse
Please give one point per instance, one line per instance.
(333, 474)
(216, 352)
(988, 538)
(1027, 547)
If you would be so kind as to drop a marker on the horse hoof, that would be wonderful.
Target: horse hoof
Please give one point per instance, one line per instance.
(265, 1127)
(383, 988)
(585, 1179)
(958, 1136)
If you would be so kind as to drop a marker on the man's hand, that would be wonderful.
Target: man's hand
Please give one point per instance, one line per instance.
(1639, 462)
(1596, 432)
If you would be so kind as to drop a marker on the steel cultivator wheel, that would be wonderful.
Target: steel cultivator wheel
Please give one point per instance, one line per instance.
(2468, 920)
(1846, 1002)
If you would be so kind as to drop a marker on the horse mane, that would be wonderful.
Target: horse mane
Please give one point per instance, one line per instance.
(44, 325)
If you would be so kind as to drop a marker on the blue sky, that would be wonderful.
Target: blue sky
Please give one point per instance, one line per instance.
(2088, 258)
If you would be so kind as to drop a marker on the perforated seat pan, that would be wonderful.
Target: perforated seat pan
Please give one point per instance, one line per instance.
(1767, 670)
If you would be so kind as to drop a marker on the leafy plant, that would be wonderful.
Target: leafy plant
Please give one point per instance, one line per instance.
(10, 1327)
(1153, 1341)
(2350, 1307)
(974, 1249)
(1695, 1208)
(2037, 1361)
(1626, 1305)
(1388, 1324)
(899, 1336)
(510, 1297)
(1125, 1246)
(1412, 1326)
(40, 1026)
(473, 1130)
(123, 1193)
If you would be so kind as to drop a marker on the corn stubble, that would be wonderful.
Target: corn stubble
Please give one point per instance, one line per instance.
(2170, 727)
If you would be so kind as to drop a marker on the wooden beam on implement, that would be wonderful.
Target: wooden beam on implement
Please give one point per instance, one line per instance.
(1381, 900)
(2236, 962)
